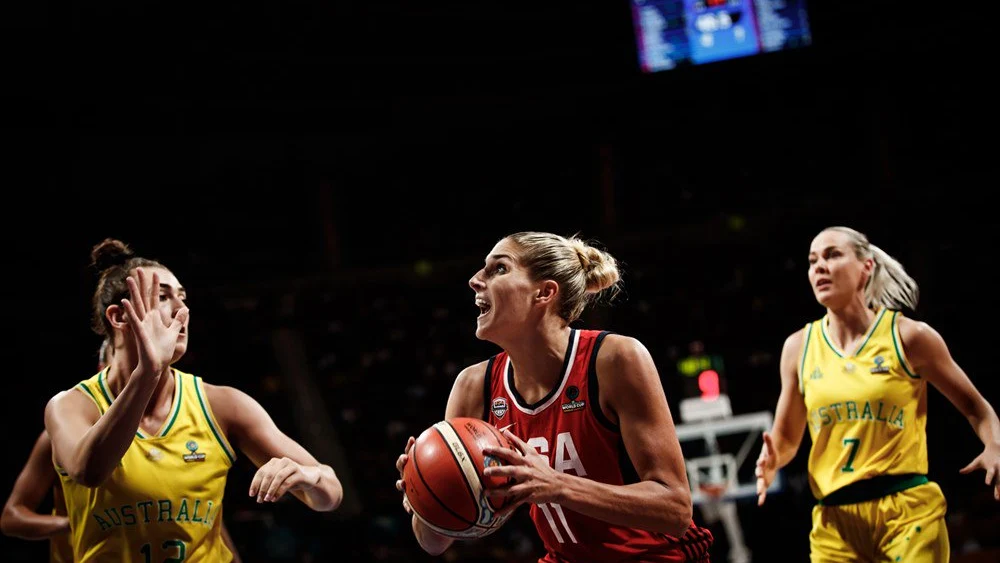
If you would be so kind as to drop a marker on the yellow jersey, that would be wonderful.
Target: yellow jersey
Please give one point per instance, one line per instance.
(60, 549)
(163, 503)
(867, 408)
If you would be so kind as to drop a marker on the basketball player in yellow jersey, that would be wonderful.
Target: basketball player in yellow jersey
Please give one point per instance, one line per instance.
(858, 378)
(20, 517)
(143, 449)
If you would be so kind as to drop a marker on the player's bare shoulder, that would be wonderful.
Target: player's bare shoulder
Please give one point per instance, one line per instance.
(794, 341)
(912, 330)
(791, 354)
(73, 400)
(232, 408)
(921, 344)
(619, 355)
(466, 397)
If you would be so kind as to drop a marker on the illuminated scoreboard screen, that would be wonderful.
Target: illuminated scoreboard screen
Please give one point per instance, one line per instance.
(672, 33)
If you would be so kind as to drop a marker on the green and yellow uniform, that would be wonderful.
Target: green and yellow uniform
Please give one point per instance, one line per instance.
(163, 503)
(867, 417)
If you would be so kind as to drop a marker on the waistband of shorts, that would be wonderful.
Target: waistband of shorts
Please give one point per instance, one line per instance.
(870, 489)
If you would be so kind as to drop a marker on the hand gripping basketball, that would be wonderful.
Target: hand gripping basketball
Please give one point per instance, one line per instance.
(528, 476)
(444, 481)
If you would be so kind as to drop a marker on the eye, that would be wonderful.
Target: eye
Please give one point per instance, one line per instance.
(500, 269)
(164, 297)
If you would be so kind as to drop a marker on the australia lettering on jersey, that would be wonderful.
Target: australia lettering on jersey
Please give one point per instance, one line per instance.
(155, 512)
(849, 411)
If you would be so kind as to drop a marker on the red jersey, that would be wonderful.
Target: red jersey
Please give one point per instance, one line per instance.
(569, 427)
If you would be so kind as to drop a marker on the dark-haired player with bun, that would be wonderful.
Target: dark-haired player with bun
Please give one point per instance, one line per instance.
(596, 457)
(143, 449)
(20, 513)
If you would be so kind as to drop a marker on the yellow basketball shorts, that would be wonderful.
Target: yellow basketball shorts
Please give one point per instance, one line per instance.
(907, 526)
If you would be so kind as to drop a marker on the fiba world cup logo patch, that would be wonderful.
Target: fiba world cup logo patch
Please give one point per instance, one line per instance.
(572, 393)
(879, 365)
(192, 447)
(499, 407)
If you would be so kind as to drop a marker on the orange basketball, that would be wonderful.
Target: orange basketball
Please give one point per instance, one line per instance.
(444, 480)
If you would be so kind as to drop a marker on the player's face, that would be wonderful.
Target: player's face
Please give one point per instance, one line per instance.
(503, 293)
(835, 272)
(172, 298)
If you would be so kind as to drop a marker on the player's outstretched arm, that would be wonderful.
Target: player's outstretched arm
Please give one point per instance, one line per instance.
(284, 466)
(783, 441)
(930, 358)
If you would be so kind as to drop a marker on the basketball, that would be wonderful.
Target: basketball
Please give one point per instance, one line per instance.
(444, 480)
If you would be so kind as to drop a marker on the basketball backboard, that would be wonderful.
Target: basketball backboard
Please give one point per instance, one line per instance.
(721, 454)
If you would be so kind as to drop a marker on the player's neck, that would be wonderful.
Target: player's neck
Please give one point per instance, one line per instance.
(538, 361)
(120, 372)
(847, 324)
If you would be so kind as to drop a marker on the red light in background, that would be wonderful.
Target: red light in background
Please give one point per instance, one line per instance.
(708, 384)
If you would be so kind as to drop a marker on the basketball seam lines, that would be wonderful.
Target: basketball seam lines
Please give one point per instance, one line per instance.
(465, 479)
(420, 474)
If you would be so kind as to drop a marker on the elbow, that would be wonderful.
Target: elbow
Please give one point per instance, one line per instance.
(90, 477)
(678, 524)
(431, 542)
(7, 521)
(679, 513)
(11, 523)
(434, 550)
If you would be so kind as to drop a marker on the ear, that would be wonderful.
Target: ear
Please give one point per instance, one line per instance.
(116, 316)
(869, 265)
(547, 292)
(868, 268)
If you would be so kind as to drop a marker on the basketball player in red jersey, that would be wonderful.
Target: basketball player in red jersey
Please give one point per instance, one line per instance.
(598, 458)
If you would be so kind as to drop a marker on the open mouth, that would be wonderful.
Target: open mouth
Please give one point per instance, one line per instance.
(484, 306)
(822, 283)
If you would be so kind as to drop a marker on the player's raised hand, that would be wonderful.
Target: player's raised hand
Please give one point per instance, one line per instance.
(155, 333)
(988, 461)
(767, 468)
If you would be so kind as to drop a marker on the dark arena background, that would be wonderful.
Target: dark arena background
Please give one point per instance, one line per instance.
(324, 178)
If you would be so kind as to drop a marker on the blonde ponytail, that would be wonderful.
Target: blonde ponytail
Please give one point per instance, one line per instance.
(889, 285)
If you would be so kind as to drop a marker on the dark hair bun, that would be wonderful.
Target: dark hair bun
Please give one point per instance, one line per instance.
(110, 252)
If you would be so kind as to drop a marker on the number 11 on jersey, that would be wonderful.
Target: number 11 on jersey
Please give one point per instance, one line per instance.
(561, 516)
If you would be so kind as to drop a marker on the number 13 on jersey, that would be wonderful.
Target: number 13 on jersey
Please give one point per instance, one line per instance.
(168, 547)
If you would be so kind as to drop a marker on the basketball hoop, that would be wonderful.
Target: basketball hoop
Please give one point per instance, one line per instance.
(713, 490)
